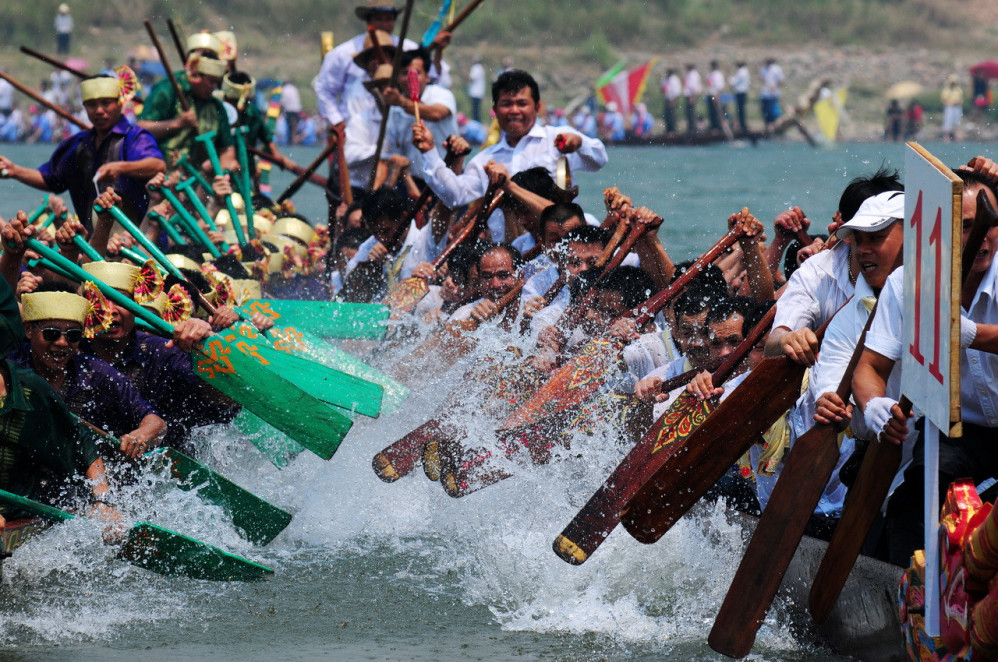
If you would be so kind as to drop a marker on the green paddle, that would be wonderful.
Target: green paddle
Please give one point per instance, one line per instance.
(37, 213)
(243, 178)
(206, 140)
(192, 170)
(234, 367)
(190, 224)
(326, 319)
(187, 187)
(169, 228)
(255, 519)
(161, 550)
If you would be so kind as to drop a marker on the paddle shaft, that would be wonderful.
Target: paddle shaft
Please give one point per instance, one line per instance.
(207, 139)
(193, 229)
(169, 228)
(312, 167)
(472, 6)
(27, 91)
(58, 64)
(602, 513)
(318, 180)
(181, 97)
(178, 43)
(877, 471)
(384, 115)
(243, 178)
(802, 481)
(192, 170)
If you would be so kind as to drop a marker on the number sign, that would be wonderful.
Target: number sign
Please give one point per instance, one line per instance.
(933, 227)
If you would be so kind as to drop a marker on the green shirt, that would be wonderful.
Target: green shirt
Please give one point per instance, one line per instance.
(11, 331)
(162, 104)
(41, 445)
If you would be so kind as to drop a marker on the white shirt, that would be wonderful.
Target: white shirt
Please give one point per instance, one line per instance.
(715, 82)
(816, 290)
(692, 84)
(536, 149)
(290, 98)
(741, 81)
(340, 78)
(672, 87)
(772, 78)
(362, 137)
(476, 81)
(64, 23)
(978, 369)
(6, 95)
(398, 135)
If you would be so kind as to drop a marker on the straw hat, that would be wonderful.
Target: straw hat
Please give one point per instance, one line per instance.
(183, 262)
(118, 275)
(204, 41)
(39, 306)
(364, 57)
(297, 229)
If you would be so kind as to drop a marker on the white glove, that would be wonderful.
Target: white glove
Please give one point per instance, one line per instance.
(968, 331)
(877, 414)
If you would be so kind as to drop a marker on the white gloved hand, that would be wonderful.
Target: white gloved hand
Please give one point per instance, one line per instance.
(968, 331)
(878, 413)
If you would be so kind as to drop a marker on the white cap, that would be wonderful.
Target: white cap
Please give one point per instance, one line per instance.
(875, 213)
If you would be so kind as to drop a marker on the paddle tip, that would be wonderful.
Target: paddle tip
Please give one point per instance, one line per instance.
(568, 551)
(451, 485)
(817, 606)
(725, 641)
(431, 461)
(383, 468)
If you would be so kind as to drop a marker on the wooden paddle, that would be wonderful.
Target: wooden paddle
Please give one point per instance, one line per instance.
(318, 180)
(578, 379)
(58, 64)
(181, 97)
(601, 514)
(395, 67)
(798, 489)
(161, 550)
(37, 98)
(178, 43)
(235, 368)
(312, 167)
(877, 471)
(704, 456)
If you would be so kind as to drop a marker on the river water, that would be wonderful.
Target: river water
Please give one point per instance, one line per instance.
(375, 571)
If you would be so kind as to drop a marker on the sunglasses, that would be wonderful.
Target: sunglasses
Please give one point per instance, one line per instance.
(52, 334)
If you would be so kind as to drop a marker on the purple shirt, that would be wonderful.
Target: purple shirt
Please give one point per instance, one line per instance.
(97, 393)
(165, 378)
(75, 161)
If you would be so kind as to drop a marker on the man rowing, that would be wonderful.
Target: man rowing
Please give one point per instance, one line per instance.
(113, 152)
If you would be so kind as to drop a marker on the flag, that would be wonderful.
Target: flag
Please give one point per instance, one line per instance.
(431, 32)
(624, 88)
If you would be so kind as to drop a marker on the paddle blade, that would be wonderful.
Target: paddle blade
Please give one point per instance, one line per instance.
(245, 378)
(862, 505)
(46, 512)
(276, 446)
(601, 514)
(781, 527)
(405, 295)
(571, 385)
(327, 319)
(255, 519)
(400, 458)
(169, 553)
(700, 460)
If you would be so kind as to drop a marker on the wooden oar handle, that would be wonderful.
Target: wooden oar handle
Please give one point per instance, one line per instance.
(619, 232)
(379, 52)
(178, 43)
(312, 167)
(58, 64)
(472, 6)
(184, 103)
(493, 197)
(985, 219)
(27, 91)
(803, 237)
(283, 165)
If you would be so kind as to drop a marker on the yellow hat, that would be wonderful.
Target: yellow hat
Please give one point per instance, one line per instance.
(229, 47)
(38, 306)
(246, 290)
(118, 275)
(280, 241)
(297, 229)
(209, 66)
(183, 262)
(204, 41)
(239, 92)
(262, 224)
(101, 87)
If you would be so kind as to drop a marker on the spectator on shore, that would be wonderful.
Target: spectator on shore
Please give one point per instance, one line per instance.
(63, 29)
(715, 86)
(769, 97)
(641, 120)
(740, 83)
(291, 105)
(476, 87)
(672, 89)
(913, 120)
(692, 87)
(895, 116)
(952, 98)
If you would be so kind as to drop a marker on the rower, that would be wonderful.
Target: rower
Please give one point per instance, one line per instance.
(515, 98)
(176, 130)
(876, 390)
(42, 448)
(239, 91)
(499, 271)
(54, 319)
(113, 151)
(160, 370)
(457, 288)
(369, 271)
